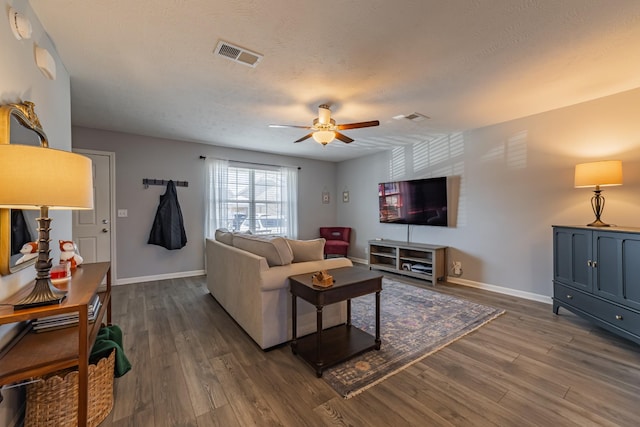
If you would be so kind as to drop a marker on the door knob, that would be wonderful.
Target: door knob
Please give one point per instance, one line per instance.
(105, 230)
(105, 221)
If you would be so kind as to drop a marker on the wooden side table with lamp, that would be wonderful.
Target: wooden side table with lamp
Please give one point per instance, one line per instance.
(41, 178)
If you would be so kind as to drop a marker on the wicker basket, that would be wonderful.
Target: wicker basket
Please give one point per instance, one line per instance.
(53, 402)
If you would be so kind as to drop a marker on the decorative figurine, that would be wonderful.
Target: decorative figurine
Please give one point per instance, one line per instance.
(28, 251)
(69, 253)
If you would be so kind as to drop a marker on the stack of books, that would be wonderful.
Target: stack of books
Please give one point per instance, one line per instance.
(58, 321)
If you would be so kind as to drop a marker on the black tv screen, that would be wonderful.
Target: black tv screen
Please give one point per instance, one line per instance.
(419, 201)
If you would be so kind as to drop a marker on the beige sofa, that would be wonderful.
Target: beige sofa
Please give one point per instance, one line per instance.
(248, 276)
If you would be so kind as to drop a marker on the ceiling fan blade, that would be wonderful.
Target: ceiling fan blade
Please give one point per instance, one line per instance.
(304, 137)
(343, 138)
(358, 125)
(290, 126)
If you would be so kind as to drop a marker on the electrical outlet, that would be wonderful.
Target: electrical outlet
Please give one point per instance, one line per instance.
(457, 268)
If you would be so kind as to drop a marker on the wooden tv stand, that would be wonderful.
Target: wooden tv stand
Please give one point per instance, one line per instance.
(392, 255)
(37, 354)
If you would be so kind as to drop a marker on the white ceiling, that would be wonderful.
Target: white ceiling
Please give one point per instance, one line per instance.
(147, 66)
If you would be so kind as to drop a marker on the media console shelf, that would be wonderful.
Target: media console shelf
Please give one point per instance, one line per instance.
(422, 261)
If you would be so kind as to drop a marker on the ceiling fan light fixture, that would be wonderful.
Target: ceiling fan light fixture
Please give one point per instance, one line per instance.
(324, 114)
(324, 136)
(325, 129)
(323, 126)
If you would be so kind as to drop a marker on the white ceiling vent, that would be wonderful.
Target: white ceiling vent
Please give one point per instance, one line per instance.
(414, 117)
(238, 54)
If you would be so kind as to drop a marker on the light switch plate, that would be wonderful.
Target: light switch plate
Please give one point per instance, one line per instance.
(122, 213)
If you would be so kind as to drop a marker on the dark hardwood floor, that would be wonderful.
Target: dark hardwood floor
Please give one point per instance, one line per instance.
(194, 366)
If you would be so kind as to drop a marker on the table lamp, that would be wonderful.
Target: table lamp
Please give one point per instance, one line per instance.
(598, 174)
(43, 178)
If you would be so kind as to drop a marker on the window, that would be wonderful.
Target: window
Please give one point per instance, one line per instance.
(256, 198)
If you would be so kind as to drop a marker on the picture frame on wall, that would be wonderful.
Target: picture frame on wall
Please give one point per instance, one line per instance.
(325, 197)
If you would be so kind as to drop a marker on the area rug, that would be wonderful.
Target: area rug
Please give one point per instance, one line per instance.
(415, 322)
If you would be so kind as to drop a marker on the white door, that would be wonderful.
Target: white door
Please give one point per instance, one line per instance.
(92, 230)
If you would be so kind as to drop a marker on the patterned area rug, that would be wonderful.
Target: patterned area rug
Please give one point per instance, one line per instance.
(414, 322)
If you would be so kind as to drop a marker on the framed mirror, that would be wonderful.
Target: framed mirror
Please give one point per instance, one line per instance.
(19, 124)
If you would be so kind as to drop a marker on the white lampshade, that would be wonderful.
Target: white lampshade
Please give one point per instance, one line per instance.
(33, 177)
(324, 136)
(604, 173)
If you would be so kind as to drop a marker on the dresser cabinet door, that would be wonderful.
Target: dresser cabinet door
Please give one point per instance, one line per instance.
(608, 268)
(617, 272)
(572, 257)
(631, 271)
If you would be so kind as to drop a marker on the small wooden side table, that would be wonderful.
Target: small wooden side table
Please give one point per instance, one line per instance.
(38, 354)
(325, 348)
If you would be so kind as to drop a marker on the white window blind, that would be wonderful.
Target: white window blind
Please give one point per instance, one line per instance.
(256, 198)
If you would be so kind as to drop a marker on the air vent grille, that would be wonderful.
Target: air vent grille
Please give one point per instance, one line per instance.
(414, 117)
(229, 51)
(237, 54)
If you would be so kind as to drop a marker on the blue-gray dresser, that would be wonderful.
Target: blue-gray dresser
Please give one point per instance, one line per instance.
(596, 275)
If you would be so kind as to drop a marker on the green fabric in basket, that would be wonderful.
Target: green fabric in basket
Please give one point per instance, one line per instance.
(109, 338)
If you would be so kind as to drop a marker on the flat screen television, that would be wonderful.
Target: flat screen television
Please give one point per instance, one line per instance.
(419, 201)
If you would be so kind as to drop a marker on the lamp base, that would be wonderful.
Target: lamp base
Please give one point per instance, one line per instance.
(43, 293)
(597, 204)
(598, 223)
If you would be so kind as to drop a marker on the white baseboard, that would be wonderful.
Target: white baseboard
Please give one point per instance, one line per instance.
(500, 289)
(359, 260)
(177, 275)
(456, 280)
(485, 286)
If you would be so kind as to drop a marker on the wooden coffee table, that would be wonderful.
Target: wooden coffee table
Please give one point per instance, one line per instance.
(325, 348)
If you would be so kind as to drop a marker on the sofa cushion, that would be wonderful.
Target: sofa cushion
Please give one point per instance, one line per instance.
(274, 249)
(224, 236)
(307, 250)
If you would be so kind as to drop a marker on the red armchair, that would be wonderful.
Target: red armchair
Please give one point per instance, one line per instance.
(337, 240)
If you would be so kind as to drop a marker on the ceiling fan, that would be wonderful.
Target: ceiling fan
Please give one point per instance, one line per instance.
(325, 128)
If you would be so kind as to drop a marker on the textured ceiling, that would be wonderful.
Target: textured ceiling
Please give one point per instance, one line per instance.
(147, 66)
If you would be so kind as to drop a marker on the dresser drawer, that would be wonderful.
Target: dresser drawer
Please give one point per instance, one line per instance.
(574, 297)
(619, 317)
(615, 315)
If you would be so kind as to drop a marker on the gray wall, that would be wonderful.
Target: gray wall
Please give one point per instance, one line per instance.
(516, 181)
(21, 80)
(139, 157)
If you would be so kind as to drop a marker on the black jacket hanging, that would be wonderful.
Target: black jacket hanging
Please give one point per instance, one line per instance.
(168, 226)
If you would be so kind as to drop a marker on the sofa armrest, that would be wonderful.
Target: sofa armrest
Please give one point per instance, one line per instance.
(226, 264)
